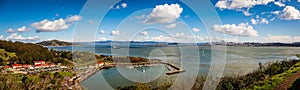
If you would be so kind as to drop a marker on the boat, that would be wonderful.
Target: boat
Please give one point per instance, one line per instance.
(115, 47)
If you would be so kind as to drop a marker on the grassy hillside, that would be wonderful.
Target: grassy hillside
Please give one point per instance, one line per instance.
(4, 55)
(265, 78)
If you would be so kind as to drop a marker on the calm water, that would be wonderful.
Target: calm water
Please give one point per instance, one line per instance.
(239, 60)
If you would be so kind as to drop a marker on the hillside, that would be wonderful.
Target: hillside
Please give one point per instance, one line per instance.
(54, 43)
(4, 55)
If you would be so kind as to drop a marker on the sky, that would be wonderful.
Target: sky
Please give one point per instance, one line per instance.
(150, 20)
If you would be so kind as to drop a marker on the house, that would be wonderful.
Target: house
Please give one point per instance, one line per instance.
(52, 65)
(8, 68)
(38, 66)
(27, 66)
(16, 66)
(100, 64)
(39, 62)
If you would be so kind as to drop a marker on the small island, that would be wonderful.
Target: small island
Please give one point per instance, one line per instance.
(55, 43)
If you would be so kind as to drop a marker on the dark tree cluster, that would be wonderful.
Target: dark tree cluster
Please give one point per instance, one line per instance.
(27, 53)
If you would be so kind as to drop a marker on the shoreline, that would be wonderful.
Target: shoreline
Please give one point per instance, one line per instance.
(78, 79)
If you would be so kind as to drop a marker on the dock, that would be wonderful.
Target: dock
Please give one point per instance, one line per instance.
(74, 82)
(173, 69)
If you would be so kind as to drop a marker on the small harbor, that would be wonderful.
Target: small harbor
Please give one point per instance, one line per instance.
(74, 82)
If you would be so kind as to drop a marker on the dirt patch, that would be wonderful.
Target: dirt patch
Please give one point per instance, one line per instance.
(287, 82)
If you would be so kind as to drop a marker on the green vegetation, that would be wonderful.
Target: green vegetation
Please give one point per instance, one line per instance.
(27, 53)
(5, 56)
(263, 78)
(42, 81)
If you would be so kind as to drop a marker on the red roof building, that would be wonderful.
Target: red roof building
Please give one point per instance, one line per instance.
(15, 66)
(39, 62)
(26, 66)
(100, 64)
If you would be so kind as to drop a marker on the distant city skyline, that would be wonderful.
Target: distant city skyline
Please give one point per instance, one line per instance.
(168, 21)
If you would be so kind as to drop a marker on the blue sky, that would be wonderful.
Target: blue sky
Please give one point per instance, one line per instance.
(150, 20)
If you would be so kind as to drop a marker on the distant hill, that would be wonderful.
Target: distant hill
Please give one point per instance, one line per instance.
(55, 43)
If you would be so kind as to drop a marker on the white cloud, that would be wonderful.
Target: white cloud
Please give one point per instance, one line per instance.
(257, 16)
(55, 25)
(143, 33)
(16, 37)
(290, 13)
(22, 29)
(246, 13)
(50, 26)
(196, 29)
(101, 39)
(259, 21)
(124, 5)
(164, 14)
(283, 39)
(115, 32)
(1, 37)
(10, 30)
(264, 20)
(279, 4)
(162, 38)
(169, 26)
(253, 21)
(117, 7)
(298, 0)
(102, 32)
(275, 12)
(73, 18)
(238, 4)
(241, 29)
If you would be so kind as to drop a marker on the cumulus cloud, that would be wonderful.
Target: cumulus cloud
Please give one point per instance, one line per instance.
(283, 39)
(169, 26)
(22, 29)
(55, 25)
(16, 37)
(259, 21)
(73, 18)
(279, 4)
(143, 33)
(298, 0)
(290, 13)
(50, 26)
(124, 5)
(264, 20)
(115, 32)
(10, 30)
(253, 21)
(164, 14)
(196, 29)
(238, 4)
(241, 29)
(102, 32)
